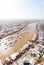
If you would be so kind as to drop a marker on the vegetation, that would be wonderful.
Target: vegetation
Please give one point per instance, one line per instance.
(32, 46)
(41, 51)
(39, 60)
(37, 42)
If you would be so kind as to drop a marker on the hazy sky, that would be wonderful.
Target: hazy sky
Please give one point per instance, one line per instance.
(21, 9)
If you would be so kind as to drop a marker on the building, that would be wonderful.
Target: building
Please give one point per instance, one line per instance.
(40, 30)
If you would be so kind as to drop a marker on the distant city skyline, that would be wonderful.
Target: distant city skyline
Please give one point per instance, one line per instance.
(21, 9)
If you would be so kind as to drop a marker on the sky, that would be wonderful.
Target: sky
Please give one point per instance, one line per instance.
(21, 9)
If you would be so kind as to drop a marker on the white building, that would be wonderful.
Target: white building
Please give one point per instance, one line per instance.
(40, 28)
